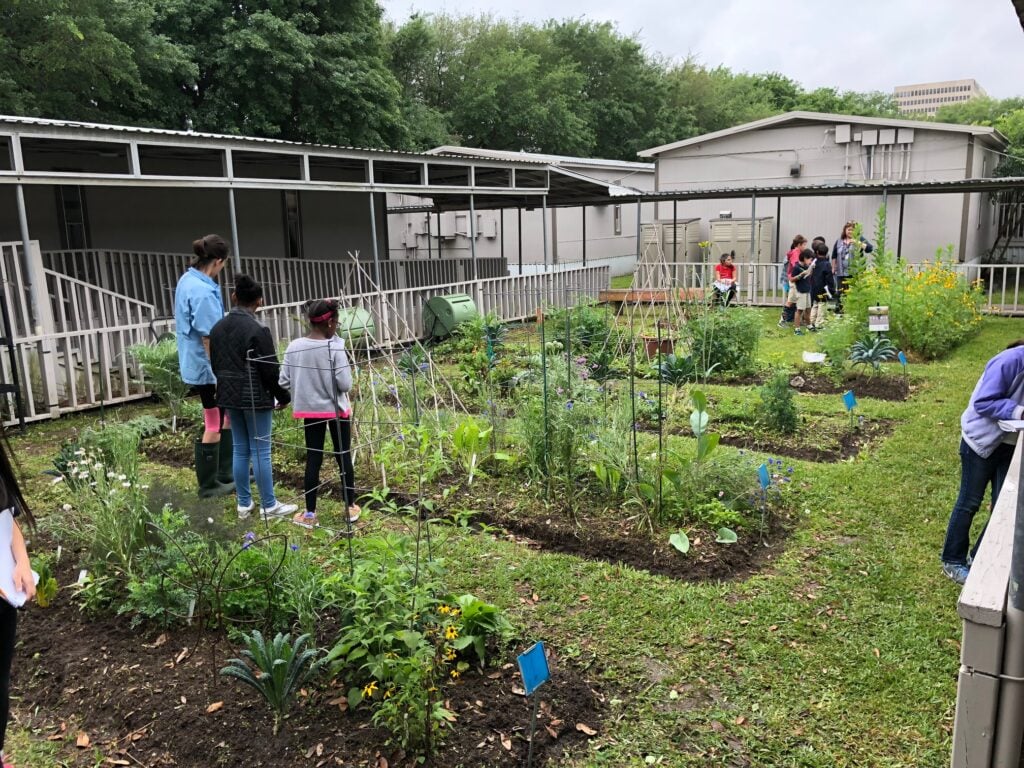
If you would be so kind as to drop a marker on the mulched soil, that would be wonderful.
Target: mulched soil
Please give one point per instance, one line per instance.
(814, 443)
(142, 698)
(621, 541)
(895, 388)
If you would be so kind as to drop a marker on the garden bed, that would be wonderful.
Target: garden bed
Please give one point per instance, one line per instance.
(621, 540)
(145, 698)
(819, 439)
(894, 388)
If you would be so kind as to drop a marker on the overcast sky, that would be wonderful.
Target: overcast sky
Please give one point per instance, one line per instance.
(859, 45)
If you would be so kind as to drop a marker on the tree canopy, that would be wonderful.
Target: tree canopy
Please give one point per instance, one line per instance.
(1005, 115)
(331, 71)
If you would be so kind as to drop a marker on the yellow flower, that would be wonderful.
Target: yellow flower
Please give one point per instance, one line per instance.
(450, 632)
(389, 692)
(369, 689)
(455, 674)
(444, 609)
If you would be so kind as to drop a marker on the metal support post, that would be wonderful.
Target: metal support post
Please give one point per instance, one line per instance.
(544, 228)
(376, 250)
(236, 256)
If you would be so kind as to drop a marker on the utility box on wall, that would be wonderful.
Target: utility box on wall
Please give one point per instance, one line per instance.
(728, 235)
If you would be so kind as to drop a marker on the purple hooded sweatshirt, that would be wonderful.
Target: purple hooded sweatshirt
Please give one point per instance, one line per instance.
(999, 395)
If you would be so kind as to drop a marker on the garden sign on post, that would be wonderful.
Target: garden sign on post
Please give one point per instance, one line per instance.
(533, 666)
(850, 401)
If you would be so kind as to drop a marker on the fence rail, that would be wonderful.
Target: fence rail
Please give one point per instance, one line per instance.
(150, 277)
(398, 315)
(760, 284)
(71, 351)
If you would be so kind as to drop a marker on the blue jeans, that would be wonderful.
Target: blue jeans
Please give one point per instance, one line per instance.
(250, 433)
(976, 474)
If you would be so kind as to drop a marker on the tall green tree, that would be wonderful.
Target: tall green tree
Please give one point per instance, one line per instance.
(304, 70)
(98, 60)
(1005, 115)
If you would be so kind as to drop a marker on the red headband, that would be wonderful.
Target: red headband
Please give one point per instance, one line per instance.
(324, 317)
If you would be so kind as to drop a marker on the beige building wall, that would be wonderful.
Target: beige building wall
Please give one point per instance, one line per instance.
(770, 156)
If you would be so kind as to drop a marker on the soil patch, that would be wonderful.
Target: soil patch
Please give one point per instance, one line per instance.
(822, 441)
(175, 449)
(895, 388)
(144, 697)
(620, 541)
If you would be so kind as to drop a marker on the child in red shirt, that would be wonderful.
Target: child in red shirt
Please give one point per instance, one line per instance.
(725, 278)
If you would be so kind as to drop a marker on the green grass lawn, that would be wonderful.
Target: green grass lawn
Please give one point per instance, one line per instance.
(842, 651)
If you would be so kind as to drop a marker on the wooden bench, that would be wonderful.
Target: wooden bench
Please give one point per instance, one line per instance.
(621, 296)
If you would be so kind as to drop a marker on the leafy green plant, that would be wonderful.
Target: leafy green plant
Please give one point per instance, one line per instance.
(46, 589)
(470, 446)
(777, 408)
(610, 477)
(158, 364)
(478, 621)
(873, 351)
(413, 362)
(675, 369)
(723, 339)
(105, 512)
(400, 636)
(276, 670)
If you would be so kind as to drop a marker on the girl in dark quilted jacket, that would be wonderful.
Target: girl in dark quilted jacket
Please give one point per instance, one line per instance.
(245, 363)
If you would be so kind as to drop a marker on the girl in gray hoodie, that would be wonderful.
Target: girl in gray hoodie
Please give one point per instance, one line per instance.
(317, 372)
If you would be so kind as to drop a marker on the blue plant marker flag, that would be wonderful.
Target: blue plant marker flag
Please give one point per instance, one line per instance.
(902, 358)
(764, 476)
(533, 666)
(849, 400)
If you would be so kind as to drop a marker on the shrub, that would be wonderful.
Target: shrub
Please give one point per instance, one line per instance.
(723, 339)
(590, 327)
(932, 308)
(777, 409)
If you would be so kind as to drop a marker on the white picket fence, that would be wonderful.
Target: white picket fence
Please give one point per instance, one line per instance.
(398, 315)
(150, 277)
(760, 284)
(74, 354)
(72, 351)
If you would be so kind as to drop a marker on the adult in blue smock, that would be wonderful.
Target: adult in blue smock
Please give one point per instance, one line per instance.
(198, 305)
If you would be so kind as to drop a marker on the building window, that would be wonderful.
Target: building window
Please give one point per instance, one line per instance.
(73, 221)
(292, 224)
(617, 219)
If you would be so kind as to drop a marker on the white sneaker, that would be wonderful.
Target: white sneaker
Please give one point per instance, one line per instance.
(278, 510)
(243, 512)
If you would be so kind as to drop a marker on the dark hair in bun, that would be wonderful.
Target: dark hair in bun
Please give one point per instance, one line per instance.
(209, 248)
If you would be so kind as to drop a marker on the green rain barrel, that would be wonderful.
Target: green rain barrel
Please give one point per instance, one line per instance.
(355, 325)
(442, 314)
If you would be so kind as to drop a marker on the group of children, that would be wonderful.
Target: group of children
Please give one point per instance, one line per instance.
(232, 361)
(813, 278)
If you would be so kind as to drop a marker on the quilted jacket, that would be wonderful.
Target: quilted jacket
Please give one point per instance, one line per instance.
(245, 363)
